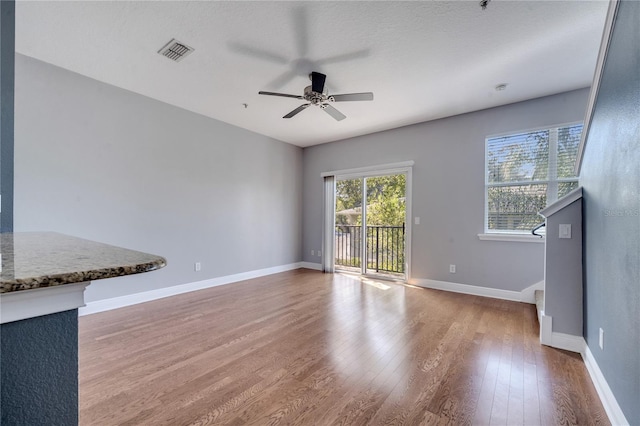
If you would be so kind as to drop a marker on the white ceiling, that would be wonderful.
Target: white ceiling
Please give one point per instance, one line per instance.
(423, 60)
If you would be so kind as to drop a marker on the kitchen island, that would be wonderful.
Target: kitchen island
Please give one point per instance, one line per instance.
(42, 283)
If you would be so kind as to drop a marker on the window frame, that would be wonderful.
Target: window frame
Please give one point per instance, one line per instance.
(516, 235)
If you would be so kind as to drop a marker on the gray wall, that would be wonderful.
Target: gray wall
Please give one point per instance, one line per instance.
(563, 271)
(610, 176)
(448, 190)
(102, 163)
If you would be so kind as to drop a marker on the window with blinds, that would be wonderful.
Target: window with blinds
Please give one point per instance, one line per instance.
(525, 172)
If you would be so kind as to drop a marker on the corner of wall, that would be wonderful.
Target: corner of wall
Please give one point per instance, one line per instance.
(578, 344)
(311, 265)
(554, 339)
(545, 328)
(528, 294)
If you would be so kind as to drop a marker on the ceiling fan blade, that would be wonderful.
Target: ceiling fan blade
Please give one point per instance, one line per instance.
(358, 54)
(366, 96)
(254, 52)
(301, 29)
(284, 95)
(333, 112)
(281, 80)
(317, 82)
(297, 110)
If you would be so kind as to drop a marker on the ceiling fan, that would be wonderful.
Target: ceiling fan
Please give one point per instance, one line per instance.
(316, 95)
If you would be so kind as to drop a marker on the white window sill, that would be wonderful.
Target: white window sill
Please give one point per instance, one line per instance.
(520, 238)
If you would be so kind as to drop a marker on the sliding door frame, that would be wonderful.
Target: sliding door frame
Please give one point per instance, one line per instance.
(328, 223)
(405, 168)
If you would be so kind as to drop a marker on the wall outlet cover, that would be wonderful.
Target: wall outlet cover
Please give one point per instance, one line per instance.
(565, 230)
(601, 339)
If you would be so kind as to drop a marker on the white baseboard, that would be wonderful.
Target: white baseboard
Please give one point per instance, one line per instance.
(567, 342)
(614, 412)
(311, 265)
(147, 296)
(578, 344)
(526, 295)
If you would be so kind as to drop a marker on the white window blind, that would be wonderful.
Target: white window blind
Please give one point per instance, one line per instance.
(525, 172)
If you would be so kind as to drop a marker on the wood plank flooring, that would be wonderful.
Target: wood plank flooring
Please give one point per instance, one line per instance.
(307, 348)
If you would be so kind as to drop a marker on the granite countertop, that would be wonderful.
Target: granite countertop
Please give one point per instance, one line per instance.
(33, 260)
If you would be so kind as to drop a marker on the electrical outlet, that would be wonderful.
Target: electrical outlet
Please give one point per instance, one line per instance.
(416, 220)
(601, 339)
(319, 253)
(197, 266)
(452, 269)
(313, 252)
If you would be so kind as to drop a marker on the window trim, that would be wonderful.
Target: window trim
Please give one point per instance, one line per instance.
(518, 237)
(530, 130)
(513, 235)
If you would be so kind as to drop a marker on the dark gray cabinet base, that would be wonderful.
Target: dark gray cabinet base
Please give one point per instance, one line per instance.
(39, 370)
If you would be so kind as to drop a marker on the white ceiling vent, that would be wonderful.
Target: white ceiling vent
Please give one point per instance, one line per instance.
(175, 50)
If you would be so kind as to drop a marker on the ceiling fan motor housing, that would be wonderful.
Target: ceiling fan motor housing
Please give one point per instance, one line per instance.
(314, 97)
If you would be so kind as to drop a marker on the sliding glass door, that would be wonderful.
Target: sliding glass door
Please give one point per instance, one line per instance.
(370, 225)
(385, 224)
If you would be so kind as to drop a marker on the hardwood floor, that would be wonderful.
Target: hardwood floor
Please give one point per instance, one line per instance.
(308, 348)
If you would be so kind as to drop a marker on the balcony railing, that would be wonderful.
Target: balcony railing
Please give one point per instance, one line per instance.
(385, 247)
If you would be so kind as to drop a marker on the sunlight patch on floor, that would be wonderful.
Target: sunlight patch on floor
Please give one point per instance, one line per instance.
(367, 280)
(376, 284)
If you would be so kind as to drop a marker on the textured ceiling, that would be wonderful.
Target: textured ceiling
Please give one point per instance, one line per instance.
(423, 60)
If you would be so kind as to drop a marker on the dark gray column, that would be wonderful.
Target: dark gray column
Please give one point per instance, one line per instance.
(7, 59)
(39, 370)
